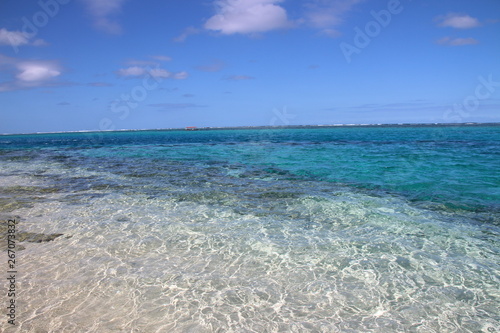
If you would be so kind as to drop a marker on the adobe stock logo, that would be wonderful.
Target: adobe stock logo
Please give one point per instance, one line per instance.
(372, 29)
(484, 90)
(127, 102)
(31, 26)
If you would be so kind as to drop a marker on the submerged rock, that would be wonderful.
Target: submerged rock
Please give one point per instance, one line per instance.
(21, 236)
(36, 238)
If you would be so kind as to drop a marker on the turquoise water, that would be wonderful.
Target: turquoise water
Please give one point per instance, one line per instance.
(348, 229)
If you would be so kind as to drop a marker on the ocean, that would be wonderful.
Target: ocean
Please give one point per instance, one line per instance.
(344, 229)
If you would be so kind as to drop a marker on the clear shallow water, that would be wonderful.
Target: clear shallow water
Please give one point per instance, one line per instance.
(303, 230)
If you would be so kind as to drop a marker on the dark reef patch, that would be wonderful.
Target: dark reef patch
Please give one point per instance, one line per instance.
(21, 236)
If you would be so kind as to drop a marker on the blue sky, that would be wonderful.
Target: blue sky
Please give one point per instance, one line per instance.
(69, 65)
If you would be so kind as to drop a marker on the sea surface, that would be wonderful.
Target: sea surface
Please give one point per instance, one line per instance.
(346, 229)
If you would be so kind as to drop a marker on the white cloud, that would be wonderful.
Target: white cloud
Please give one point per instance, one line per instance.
(36, 72)
(102, 12)
(247, 16)
(214, 66)
(26, 74)
(238, 77)
(257, 16)
(131, 71)
(325, 14)
(18, 38)
(332, 33)
(39, 42)
(181, 75)
(137, 71)
(186, 33)
(161, 58)
(458, 21)
(159, 72)
(14, 38)
(457, 41)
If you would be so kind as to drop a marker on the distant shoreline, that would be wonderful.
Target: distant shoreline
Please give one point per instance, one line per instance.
(193, 128)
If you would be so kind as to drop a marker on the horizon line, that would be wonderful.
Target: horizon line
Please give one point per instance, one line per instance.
(262, 127)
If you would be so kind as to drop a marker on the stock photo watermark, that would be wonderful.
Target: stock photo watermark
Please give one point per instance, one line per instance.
(11, 272)
(32, 25)
(129, 101)
(279, 119)
(282, 116)
(372, 29)
(483, 91)
(458, 113)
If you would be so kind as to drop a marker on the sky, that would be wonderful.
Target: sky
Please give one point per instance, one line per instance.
(74, 65)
